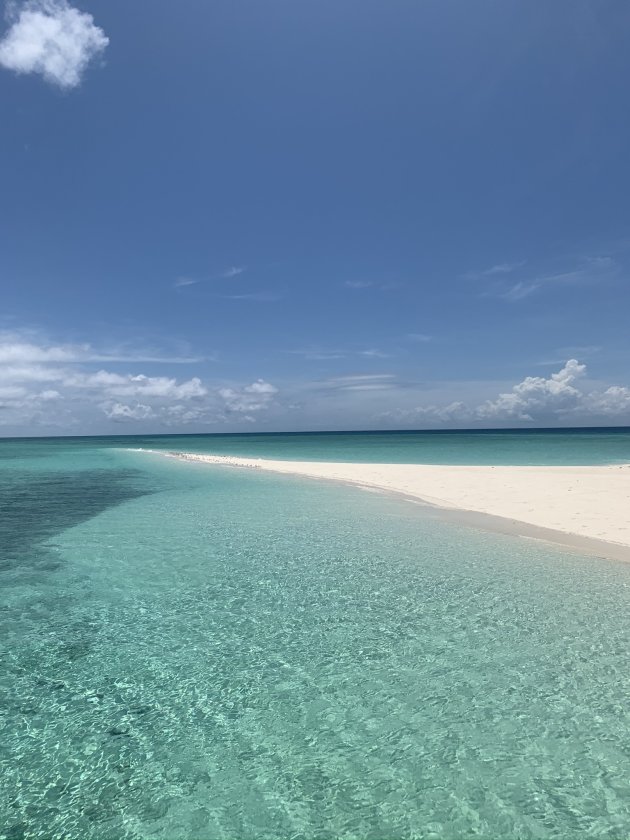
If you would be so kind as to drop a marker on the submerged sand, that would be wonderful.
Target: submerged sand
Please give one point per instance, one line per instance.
(585, 507)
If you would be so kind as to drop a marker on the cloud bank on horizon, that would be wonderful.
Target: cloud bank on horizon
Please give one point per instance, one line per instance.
(45, 387)
(52, 38)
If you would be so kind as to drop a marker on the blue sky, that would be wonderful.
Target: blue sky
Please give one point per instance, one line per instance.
(241, 216)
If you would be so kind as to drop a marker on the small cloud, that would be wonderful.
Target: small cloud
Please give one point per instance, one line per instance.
(254, 296)
(370, 284)
(234, 271)
(119, 412)
(421, 338)
(520, 290)
(494, 270)
(16, 349)
(360, 382)
(589, 271)
(228, 274)
(503, 268)
(52, 38)
(374, 354)
(251, 398)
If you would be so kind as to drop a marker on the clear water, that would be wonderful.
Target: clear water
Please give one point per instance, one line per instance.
(199, 652)
(511, 447)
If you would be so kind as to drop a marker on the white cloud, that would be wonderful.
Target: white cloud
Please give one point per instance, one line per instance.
(495, 270)
(613, 402)
(264, 297)
(61, 386)
(535, 395)
(139, 385)
(52, 38)
(12, 352)
(233, 271)
(535, 400)
(385, 286)
(120, 412)
(589, 270)
(228, 274)
(251, 398)
(48, 384)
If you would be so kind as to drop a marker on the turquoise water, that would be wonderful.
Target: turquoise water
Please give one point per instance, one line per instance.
(511, 447)
(202, 652)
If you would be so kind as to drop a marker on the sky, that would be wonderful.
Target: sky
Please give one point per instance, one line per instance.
(221, 216)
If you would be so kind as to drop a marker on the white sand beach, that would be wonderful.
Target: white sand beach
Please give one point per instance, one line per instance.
(571, 505)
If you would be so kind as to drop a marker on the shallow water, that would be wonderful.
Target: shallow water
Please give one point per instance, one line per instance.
(203, 652)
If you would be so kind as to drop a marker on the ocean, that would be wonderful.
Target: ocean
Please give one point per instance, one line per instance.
(201, 652)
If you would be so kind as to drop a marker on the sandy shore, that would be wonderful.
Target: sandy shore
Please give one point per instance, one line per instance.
(584, 507)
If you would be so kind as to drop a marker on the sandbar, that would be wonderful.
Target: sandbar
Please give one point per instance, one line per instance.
(584, 507)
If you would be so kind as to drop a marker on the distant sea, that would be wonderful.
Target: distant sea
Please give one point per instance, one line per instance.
(203, 652)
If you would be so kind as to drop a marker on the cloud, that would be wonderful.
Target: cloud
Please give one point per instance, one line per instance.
(322, 355)
(419, 337)
(359, 382)
(613, 402)
(252, 398)
(52, 38)
(47, 384)
(374, 354)
(370, 284)
(255, 296)
(536, 395)
(121, 413)
(228, 274)
(494, 270)
(535, 400)
(590, 270)
(138, 385)
(14, 349)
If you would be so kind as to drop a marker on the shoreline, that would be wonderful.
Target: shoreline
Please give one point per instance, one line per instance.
(586, 509)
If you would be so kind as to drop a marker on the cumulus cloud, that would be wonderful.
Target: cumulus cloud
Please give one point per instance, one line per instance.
(43, 383)
(251, 398)
(138, 385)
(535, 400)
(613, 402)
(52, 38)
(63, 386)
(536, 394)
(119, 412)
